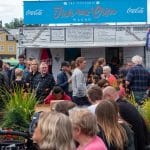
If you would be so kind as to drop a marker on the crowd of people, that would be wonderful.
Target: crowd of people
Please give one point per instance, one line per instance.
(95, 114)
(32, 76)
(108, 124)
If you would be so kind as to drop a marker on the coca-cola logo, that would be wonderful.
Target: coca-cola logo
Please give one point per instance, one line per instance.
(37, 12)
(138, 10)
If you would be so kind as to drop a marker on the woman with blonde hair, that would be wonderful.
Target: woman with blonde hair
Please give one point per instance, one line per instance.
(85, 130)
(53, 132)
(115, 132)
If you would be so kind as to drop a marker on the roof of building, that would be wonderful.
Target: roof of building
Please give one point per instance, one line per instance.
(83, 36)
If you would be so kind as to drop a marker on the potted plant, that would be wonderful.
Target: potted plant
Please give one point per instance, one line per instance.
(19, 107)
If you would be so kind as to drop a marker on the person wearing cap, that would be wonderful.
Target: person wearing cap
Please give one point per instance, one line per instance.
(64, 77)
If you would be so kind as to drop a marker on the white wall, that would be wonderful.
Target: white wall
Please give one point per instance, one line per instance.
(57, 58)
(148, 59)
(89, 53)
(129, 52)
(33, 52)
(92, 54)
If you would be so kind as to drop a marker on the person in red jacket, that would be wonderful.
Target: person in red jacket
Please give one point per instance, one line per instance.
(56, 94)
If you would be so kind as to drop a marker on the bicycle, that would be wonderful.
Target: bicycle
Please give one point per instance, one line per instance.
(16, 140)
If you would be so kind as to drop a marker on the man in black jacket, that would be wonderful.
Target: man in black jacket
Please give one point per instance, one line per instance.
(130, 114)
(45, 84)
(33, 77)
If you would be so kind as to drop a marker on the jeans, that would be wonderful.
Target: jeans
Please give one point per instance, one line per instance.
(139, 95)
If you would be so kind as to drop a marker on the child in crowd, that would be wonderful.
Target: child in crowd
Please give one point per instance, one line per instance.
(18, 83)
(95, 80)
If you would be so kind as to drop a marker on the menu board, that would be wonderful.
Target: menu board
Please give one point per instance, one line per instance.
(57, 34)
(79, 34)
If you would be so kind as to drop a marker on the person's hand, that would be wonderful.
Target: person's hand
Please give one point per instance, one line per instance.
(69, 80)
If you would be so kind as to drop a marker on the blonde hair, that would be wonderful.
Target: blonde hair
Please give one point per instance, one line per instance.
(18, 72)
(107, 117)
(79, 60)
(34, 61)
(101, 61)
(56, 131)
(84, 119)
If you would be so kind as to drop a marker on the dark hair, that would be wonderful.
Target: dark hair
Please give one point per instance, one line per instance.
(21, 56)
(8, 63)
(96, 78)
(57, 89)
(1, 64)
(65, 63)
(31, 58)
(102, 83)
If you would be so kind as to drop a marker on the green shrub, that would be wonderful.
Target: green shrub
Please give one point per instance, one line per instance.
(145, 111)
(131, 99)
(19, 107)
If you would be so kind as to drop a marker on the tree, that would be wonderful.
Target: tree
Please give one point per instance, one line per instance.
(15, 23)
(0, 23)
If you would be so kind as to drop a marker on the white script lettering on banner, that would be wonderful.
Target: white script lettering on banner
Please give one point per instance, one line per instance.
(37, 12)
(138, 10)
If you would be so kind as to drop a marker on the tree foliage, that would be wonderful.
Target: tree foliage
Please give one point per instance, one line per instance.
(15, 23)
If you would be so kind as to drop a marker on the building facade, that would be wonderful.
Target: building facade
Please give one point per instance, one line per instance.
(66, 43)
(7, 45)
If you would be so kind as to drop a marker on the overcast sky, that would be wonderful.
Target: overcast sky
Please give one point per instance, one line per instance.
(10, 9)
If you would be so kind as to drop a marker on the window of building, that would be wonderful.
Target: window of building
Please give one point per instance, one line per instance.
(11, 48)
(1, 48)
(1, 38)
(9, 37)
